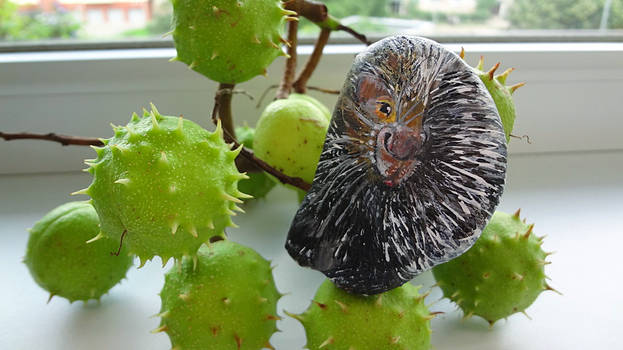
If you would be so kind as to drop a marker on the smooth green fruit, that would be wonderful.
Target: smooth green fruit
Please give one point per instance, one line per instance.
(245, 135)
(501, 94)
(225, 299)
(325, 111)
(259, 183)
(337, 320)
(289, 136)
(165, 185)
(503, 273)
(61, 261)
(229, 41)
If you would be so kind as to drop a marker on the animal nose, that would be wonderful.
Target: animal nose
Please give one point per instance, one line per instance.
(400, 142)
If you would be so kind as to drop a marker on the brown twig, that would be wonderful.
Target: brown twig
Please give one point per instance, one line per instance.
(300, 85)
(285, 179)
(354, 33)
(64, 140)
(288, 74)
(222, 103)
(323, 90)
(247, 161)
(120, 244)
(318, 13)
(314, 88)
(263, 96)
(222, 111)
(526, 137)
(312, 10)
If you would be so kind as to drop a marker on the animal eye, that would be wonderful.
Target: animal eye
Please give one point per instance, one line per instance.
(383, 109)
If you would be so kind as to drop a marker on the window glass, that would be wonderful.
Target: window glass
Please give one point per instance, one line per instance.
(143, 19)
(137, 15)
(116, 16)
(95, 16)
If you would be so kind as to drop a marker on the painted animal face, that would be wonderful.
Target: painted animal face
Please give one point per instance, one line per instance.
(411, 170)
(396, 139)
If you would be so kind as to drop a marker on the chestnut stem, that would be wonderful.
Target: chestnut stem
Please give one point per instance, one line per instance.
(300, 85)
(312, 10)
(288, 74)
(222, 105)
(318, 13)
(285, 179)
(354, 33)
(64, 140)
(247, 161)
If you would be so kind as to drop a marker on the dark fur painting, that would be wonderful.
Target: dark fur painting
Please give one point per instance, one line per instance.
(412, 168)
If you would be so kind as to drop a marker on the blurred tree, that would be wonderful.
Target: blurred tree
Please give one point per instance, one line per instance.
(563, 14)
(35, 25)
(485, 9)
(345, 8)
(10, 21)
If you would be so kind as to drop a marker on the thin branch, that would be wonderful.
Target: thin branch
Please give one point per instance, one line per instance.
(120, 244)
(263, 96)
(222, 111)
(318, 13)
(285, 179)
(323, 90)
(64, 140)
(222, 105)
(288, 74)
(314, 88)
(247, 161)
(312, 10)
(333, 23)
(354, 33)
(243, 92)
(88, 141)
(526, 137)
(300, 85)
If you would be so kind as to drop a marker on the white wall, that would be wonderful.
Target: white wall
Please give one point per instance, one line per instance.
(571, 101)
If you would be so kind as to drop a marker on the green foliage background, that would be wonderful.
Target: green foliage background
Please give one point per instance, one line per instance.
(16, 26)
(523, 14)
(564, 14)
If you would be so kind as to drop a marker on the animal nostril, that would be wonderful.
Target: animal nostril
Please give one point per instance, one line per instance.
(399, 142)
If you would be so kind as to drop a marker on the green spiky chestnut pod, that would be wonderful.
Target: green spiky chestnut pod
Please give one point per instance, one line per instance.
(325, 111)
(337, 320)
(62, 262)
(289, 136)
(225, 299)
(501, 94)
(502, 274)
(164, 185)
(228, 41)
(259, 183)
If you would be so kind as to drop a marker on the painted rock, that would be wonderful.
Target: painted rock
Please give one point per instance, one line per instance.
(411, 170)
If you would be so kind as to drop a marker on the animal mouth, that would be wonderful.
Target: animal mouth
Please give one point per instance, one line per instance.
(397, 147)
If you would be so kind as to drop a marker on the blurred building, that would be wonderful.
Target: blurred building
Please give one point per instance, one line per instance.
(99, 17)
(448, 6)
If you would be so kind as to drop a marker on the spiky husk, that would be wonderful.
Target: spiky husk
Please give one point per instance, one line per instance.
(225, 299)
(500, 92)
(337, 320)
(61, 261)
(289, 136)
(259, 182)
(165, 185)
(228, 41)
(502, 274)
